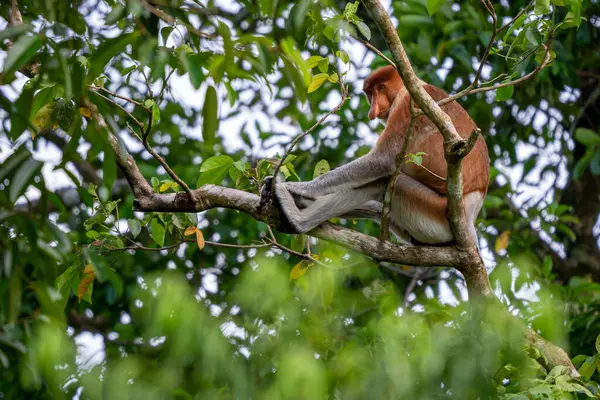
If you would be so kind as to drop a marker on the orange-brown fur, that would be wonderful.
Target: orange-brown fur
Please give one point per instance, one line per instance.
(387, 96)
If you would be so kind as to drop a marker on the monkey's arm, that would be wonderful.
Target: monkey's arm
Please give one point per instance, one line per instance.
(358, 173)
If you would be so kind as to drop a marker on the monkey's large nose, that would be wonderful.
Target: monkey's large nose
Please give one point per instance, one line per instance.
(373, 111)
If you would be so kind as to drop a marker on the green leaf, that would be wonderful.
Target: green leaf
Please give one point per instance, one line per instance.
(333, 78)
(504, 93)
(165, 33)
(227, 45)
(587, 137)
(313, 61)
(10, 32)
(109, 49)
(571, 20)
(516, 25)
(158, 232)
(598, 344)
(588, 367)
(343, 56)
(321, 168)
(19, 182)
(155, 183)
(493, 201)
(323, 65)
(434, 5)
(317, 81)
(13, 161)
(595, 163)
(43, 117)
(135, 227)
(232, 94)
(541, 7)
(65, 281)
(116, 14)
(155, 114)
(20, 53)
(350, 9)
(364, 29)
(214, 170)
(64, 113)
(295, 77)
(210, 120)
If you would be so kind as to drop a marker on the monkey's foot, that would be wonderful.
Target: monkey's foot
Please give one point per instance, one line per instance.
(266, 197)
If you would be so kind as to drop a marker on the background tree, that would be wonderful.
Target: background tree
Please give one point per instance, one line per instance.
(201, 304)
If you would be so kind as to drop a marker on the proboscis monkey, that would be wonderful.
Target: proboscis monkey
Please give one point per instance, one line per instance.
(419, 203)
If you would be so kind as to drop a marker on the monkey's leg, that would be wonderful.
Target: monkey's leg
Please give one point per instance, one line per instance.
(420, 211)
(324, 207)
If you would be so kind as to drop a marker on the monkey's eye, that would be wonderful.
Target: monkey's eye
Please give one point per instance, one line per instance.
(380, 87)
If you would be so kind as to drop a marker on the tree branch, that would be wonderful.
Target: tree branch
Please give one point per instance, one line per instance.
(470, 263)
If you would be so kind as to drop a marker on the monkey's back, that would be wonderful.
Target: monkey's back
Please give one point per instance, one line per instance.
(428, 139)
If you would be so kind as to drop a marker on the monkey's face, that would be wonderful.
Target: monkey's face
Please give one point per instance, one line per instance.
(380, 102)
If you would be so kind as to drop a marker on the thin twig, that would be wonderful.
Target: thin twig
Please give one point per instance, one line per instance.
(441, 178)
(147, 81)
(523, 11)
(145, 132)
(273, 241)
(208, 242)
(114, 94)
(165, 84)
(163, 163)
(344, 93)
(409, 289)
(137, 122)
(374, 49)
(171, 20)
(466, 92)
(490, 9)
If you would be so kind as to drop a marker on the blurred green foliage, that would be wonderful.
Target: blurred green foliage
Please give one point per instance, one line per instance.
(219, 322)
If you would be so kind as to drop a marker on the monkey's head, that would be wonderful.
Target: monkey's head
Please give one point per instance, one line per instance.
(381, 88)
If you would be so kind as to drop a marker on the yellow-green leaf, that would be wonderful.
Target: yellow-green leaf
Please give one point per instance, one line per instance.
(313, 61)
(43, 118)
(299, 269)
(502, 241)
(317, 81)
(85, 112)
(321, 168)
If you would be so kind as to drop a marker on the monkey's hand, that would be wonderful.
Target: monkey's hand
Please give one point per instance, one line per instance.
(267, 197)
(265, 191)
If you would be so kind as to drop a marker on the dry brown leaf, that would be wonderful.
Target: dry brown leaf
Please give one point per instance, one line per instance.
(190, 230)
(85, 282)
(200, 239)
